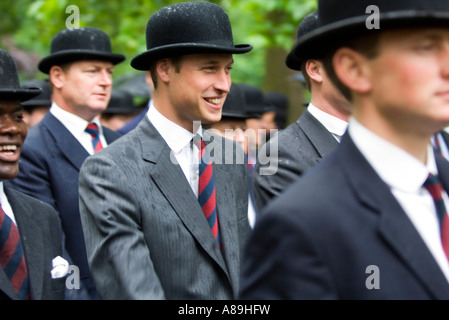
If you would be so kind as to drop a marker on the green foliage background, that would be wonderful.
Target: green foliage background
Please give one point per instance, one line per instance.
(263, 23)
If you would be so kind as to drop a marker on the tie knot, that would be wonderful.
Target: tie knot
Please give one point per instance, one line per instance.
(92, 128)
(433, 185)
(431, 180)
(199, 142)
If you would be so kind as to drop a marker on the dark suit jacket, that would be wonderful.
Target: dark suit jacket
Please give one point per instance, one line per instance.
(317, 240)
(146, 234)
(41, 234)
(445, 135)
(299, 147)
(49, 169)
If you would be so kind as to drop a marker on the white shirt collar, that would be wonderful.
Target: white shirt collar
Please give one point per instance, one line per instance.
(396, 167)
(333, 124)
(72, 122)
(174, 135)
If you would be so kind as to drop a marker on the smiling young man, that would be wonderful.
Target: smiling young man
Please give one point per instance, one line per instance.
(198, 86)
(80, 69)
(370, 221)
(147, 236)
(30, 230)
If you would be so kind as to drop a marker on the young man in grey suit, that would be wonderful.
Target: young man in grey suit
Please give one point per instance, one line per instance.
(146, 234)
(313, 136)
(80, 68)
(30, 230)
(369, 221)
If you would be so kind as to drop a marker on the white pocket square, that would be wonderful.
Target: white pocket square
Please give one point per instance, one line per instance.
(60, 267)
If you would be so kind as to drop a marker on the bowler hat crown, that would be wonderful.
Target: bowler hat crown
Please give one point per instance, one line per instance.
(121, 102)
(341, 20)
(308, 24)
(76, 44)
(235, 104)
(255, 100)
(9, 81)
(187, 28)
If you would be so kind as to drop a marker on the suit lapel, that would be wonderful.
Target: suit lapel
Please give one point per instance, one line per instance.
(177, 191)
(394, 224)
(443, 172)
(65, 141)
(29, 232)
(323, 141)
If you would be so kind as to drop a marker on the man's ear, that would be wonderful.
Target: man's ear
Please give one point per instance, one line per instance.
(57, 76)
(163, 69)
(313, 70)
(352, 69)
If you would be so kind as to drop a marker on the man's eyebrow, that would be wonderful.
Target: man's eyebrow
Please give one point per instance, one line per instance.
(212, 61)
(430, 35)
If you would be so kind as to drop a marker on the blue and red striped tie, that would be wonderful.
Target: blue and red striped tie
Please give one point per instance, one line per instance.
(433, 185)
(92, 129)
(206, 189)
(12, 258)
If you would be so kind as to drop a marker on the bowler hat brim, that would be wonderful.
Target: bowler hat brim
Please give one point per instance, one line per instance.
(236, 115)
(36, 102)
(65, 56)
(144, 60)
(317, 42)
(19, 94)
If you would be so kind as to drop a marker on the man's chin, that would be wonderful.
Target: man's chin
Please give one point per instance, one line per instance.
(8, 173)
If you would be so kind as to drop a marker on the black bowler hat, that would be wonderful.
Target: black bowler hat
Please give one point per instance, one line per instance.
(187, 28)
(121, 103)
(235, 104)
(308, 24)
(9, 81)
(256, 104)
(44, 99)
(135, 84)
(75, 44)
(344, 19)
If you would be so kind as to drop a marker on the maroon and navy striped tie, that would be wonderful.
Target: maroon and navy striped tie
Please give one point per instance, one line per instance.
(433, 185)
(12, 258)
(206, 189)
(92, 129)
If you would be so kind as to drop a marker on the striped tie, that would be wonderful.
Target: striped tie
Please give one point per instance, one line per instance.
(206, 188)
(433, 185)
(11, 256)
(92, 129)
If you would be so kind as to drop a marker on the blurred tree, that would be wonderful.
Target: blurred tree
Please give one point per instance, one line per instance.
(27, 27)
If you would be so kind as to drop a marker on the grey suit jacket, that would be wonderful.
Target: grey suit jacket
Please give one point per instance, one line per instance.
(41, 235)
(146, 235)
(299, 147)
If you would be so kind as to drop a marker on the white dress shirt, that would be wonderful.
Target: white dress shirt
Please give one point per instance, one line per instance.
(405, 175)
(180, 142)
(77, 126)
(333, 124)
(5, 204)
